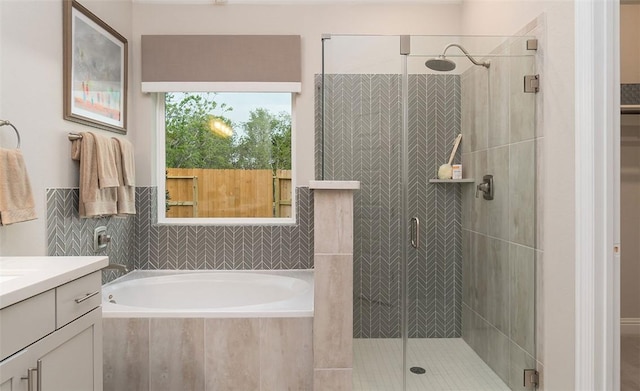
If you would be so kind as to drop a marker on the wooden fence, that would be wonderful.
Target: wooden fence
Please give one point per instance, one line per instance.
(197, 192)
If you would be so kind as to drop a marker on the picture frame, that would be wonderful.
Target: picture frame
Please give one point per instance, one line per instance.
(95, 63)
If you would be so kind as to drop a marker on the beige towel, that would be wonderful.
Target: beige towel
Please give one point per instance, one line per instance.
(94, 201)
(126, 193)
(106, 161)
(16, 200)
(128, 162)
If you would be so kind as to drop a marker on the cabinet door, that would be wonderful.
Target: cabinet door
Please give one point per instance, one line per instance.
(69, 367)
(71, 357)
(13, 370)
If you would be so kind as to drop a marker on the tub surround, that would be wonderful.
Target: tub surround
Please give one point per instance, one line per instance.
(253, 350)
(23, 277)
(333, 293)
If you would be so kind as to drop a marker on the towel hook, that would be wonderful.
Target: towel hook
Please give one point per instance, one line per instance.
(5, 122)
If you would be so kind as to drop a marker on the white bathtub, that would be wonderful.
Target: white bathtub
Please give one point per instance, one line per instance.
(209, 294)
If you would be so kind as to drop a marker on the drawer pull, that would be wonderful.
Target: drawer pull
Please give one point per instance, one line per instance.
(30, 375)
(86, 297)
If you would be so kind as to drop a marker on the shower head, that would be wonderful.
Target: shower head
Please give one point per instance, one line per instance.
(442, 64)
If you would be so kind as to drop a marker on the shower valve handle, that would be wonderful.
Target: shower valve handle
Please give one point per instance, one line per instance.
(486, 187)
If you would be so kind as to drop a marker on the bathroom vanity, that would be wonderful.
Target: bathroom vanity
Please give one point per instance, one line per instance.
(51, 323)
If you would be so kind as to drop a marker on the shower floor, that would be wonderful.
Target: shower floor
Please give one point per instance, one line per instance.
(450, 364)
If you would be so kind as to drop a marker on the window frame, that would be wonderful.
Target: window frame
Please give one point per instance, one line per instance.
(160, 168)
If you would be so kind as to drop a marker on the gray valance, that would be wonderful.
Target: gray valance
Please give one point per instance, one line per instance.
(222, 63)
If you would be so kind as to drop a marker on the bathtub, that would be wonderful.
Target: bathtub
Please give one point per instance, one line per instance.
(188, 330)
(209, 294)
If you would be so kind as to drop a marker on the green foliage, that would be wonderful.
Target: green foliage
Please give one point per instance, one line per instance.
(263, 142)
(266, 142)
(189, 141)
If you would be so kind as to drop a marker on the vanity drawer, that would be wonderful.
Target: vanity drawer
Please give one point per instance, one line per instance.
(77, 297)
(26, 322)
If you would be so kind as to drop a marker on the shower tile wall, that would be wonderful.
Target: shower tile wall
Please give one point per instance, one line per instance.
(499, 236)
(363, 142)
(140, 243)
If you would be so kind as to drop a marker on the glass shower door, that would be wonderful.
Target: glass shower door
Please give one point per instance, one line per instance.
(471, 286)
(363, 113)
(444, 277)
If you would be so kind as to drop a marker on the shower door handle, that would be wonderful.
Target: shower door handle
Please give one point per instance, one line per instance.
(415, 232)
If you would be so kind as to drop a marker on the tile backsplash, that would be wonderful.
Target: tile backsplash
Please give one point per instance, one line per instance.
(140, 243)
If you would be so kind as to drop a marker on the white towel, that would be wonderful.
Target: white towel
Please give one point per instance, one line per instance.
(16, 199)
(126, 193)
(94, 201)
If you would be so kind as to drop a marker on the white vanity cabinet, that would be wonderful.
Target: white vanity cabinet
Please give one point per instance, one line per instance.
(52, 341)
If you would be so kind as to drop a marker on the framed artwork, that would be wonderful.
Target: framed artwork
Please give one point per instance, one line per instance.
(95, 70)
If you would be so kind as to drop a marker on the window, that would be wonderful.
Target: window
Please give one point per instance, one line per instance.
(225, 158)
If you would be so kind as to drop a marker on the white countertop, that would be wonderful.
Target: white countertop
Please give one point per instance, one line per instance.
(23, 277)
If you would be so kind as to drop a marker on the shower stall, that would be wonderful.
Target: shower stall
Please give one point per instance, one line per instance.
(444, 274)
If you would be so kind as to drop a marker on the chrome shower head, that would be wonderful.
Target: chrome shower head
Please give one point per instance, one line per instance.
(442, 64)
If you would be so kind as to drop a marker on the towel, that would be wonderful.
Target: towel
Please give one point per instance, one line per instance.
(128, 162)
(16, 200)
(94, 201)
(106, 162)
(124, 165)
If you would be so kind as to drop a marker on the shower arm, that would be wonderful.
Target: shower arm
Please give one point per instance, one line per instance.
(473, 60)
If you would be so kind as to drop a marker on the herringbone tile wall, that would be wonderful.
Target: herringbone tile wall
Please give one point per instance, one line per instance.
(362, 141)
(140, 243)
(68, 234)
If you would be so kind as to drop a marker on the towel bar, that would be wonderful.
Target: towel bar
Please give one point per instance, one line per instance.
(5, 122)
(74, 136)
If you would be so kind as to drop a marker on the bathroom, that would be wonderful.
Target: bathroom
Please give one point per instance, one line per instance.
(31, 42)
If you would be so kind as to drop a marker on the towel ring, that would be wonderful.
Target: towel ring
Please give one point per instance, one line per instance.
(5, 122)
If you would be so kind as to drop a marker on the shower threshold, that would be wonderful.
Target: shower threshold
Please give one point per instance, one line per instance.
(449, 363)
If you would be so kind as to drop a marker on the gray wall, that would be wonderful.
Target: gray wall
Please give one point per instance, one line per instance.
(499, 236)
(363, 142)
(140, 243)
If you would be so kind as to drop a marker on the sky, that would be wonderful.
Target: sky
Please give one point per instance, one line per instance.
(243, 103)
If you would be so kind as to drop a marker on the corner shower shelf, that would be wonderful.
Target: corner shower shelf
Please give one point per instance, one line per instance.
(464, 180)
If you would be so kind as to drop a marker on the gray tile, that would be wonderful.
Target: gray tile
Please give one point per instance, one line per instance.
(286, 354)
(499, 93)
(522, 296)
(333, 311)
(522, 105)
(498, 353)
(332, 380)
(522, 193)
(498, 280)
(172, 344)
(519, 360)
(232, 354)
(125, 354)
(495, 212)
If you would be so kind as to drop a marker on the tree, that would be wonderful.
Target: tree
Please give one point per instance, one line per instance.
(266, 141)
(190, 143)
(263, 142)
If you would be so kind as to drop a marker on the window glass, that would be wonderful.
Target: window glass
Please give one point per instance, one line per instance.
(227, 156)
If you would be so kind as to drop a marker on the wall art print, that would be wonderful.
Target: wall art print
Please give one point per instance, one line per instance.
(95, 70)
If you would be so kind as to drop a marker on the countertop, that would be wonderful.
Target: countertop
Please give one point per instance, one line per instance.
(23, 277)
